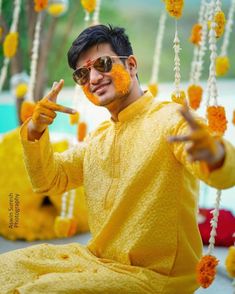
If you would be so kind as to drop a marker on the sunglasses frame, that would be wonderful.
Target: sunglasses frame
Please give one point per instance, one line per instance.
(91, 64)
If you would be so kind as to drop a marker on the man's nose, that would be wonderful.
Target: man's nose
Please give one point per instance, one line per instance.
(95, 76)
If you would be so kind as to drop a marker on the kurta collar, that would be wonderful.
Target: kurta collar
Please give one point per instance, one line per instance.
(136, 107)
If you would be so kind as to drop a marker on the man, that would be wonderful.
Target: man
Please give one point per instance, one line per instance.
(141, 188)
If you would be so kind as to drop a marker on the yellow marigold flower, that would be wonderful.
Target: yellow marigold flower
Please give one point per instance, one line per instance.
(40, 5)
(56, 9)
(10, 44)
(181, 99)
(195, 96)
(217, 121)
(82, 130)
(196, 34)
(89, 5)
(230, 261)
(153, 88)
(21, 90)
(206, 270)
(27, 109)
(220, 23)
(74, 118)
(222, 65)
(175, 7)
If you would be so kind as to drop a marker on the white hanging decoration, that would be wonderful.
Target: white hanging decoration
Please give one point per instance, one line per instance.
(13, 29)
(96, 15)
(34, 58)
(157, 54)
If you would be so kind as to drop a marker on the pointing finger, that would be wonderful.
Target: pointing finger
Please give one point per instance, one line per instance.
(56, 88)
(189, 118)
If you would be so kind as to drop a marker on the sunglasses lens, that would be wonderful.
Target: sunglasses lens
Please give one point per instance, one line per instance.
(81, 75)
(103, 64)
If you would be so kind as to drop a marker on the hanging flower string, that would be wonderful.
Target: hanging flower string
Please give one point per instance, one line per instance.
(153, 85)
(10, 43)
(222, 61)
(96, 15)
(174, 7)
(89, 6)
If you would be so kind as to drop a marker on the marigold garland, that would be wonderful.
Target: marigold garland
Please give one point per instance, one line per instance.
(21, 90)
(82, 131)
(206, 270)
(222, 65)
(153, 88)
(27, 109)
(217, 121)
(10, 44)
(181, 98)
(220, 23)
(230, 261)
(195, 96)
(174, 7)
(196, 34)
(40, 5)
(89, 5)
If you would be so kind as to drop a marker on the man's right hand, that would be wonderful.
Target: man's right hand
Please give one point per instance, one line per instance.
(45, 112)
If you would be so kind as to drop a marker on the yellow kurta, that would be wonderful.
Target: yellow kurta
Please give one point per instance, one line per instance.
(142, 198)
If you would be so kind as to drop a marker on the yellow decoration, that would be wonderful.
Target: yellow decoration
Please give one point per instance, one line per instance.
(153, 88)
(74, 118)
(10, 45)
(195, 96)
(181, 99)
(37, 215)
(196, 34)
(217, 121)
(220, 23)
(89, 5)
(56, 9)
(21, 90)
(222, 65)
(230, 261)
(40, 5)
(206, 270)
(174, 7)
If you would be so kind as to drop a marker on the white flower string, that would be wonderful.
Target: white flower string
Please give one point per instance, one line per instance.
(34, 58)
(96, 14)
(177, 50)
(158, 48)
(67, 204)
(214, 222)
(228, 29)
(71, 204)
(13, 28)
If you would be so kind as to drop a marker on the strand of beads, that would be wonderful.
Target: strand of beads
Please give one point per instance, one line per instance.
(10, 43)
(153, 85)
(222, 61)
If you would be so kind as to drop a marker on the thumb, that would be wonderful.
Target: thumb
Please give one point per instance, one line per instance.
(56, 88)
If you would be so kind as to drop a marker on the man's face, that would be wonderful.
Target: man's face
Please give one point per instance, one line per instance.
(104, 88)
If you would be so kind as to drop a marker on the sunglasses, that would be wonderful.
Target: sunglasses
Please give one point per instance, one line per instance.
(102, 64)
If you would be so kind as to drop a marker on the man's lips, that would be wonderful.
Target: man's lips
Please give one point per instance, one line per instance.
(99, 88)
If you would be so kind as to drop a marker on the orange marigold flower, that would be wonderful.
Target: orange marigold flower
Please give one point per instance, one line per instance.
(222, 65)
(220, 23)
(27, 109)
(175, 7)
(196, 34)
(206, 270)
(89, 5)
(10, 45)
(82, 130)
(195, 96)
(181, 99)
(40, 5)
(230, 261)
(153, 88)
(74, 118)
(217, 121)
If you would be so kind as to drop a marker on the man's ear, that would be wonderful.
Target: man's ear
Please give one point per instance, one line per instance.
(132, 65)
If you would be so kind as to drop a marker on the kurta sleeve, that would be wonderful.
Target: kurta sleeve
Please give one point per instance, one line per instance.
(221, 178)
(51, 172)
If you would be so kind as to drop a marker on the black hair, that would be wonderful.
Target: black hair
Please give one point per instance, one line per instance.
(95, 35)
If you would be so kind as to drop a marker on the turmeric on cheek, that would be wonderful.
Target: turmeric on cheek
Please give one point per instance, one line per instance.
(93, 98)
(121, 79)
